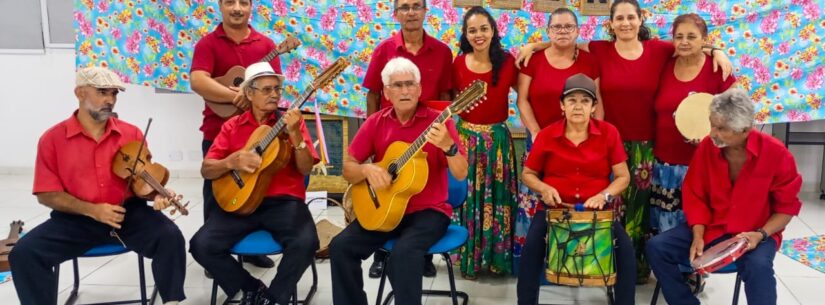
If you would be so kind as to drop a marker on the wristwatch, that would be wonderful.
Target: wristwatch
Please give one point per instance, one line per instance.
(764, 234)
(608, 197)
(452, 151)
(301, 146)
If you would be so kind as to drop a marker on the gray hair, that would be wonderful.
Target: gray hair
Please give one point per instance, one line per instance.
(399, 65)
(735, 108)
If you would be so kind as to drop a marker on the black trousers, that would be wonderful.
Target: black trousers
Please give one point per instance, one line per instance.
(66, 236)
(415, 235)
(209, 202)
(288, 220)
(531, 268)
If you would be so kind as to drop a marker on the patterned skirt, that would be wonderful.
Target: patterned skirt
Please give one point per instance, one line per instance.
(666, 196)
(636, 200)
(489, 211)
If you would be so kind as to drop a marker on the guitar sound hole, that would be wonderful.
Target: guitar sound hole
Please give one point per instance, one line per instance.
(237, 82)
(393, 171)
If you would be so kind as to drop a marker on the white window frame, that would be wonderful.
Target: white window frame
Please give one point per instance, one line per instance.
(47, 42)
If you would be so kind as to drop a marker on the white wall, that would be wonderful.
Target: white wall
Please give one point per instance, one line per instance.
(36, 93)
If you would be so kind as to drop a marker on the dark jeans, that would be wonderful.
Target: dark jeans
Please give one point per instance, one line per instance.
(209, 203)
(415, 235)
(666, 251)
(65, 236)
(290, 223)
(531, 268)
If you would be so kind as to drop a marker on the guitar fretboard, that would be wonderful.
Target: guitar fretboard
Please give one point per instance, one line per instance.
(420, 141)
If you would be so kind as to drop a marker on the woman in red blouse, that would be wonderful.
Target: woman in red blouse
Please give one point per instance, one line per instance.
(490, 207)
(691, 71)
(571, 162)
(629, 67)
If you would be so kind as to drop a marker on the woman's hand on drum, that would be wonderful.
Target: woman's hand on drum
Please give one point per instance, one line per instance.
(694, 142)
(550, 196)
(754, 238)
(596, 202)
(696, 248)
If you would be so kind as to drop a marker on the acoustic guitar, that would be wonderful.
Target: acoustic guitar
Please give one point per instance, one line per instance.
(242, 193)
(7, 244)
(233, 78)
(382, 209)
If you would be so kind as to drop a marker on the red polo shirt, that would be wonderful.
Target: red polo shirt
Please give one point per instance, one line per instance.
(577, 172)
(70, 160)
(434, 60)
(628, 87)
(669, 145)
(768, 183)
(495, 109)
(383, 128)
(233, 136)
(216, 53)
(547, 84)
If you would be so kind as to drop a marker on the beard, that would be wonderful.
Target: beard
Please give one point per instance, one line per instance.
(101, 115)
(718, 143)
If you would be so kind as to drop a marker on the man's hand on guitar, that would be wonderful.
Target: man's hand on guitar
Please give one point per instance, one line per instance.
(109, 214)
(293, 119)
(289, 44)
(244, 160)
(440, 137)
(377, 177)
(240, 100)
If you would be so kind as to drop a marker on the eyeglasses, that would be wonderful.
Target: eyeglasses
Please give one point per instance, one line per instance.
(407, 8)
(269, 89)
(398, 86)
(566, 28)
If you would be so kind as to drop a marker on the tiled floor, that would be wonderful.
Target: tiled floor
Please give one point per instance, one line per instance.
(108, 278)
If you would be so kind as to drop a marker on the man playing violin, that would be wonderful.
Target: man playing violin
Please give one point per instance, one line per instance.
(233, 43)
(428, 213)
(92, 206)
(741, 183)
(282, 213)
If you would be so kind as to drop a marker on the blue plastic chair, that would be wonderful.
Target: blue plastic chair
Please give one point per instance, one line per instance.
(731, 268)
(261, 243)
(454, 238)
(108, 250)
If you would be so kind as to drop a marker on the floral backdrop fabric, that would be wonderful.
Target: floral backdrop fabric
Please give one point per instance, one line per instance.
(776, 45)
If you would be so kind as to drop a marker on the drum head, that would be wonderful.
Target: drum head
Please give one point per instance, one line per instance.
(720, 255)
(692, 116)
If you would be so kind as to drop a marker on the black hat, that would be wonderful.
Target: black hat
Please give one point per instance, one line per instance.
(579, 82)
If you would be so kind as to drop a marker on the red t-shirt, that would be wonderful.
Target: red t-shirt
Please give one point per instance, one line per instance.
(216, 53)
(577, 172)
(767, 184)
(70, 160)
(547, 84)
(670, 145)
(383, 128)
(495, 109)
(433, 60)
(234, 135)
(628, 87)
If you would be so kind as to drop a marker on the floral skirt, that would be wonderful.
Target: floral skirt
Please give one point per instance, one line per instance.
(666, 196)
(634, 208)
(489, 211)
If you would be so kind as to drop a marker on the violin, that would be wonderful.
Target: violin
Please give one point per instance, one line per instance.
(133, 162)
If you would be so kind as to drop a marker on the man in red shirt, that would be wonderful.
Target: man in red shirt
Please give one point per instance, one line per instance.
(428, 213)
(282, 213)
(740, 183)
(432, 57)
(90, 205)
(233, 43)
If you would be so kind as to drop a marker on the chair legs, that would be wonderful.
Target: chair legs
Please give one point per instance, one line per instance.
(452, 293)
(72, 299)
(295, 300)
(736, 288)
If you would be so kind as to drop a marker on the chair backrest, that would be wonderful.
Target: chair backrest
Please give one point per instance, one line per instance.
(457, 191)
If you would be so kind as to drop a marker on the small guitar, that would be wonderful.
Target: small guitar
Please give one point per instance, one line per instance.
(382, 210)
(233, 78)
(7, 244)
(242, 193)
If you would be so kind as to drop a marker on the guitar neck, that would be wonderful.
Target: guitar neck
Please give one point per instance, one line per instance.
(279, 126)
(271, 55)
(421, 140)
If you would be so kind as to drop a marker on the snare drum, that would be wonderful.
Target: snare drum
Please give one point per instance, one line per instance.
(692, 116)
(720, 255)
(580, 248)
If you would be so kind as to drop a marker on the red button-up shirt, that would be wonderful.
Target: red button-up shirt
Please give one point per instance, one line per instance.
(768, 183)
(234, 135)
(70, 160)
(383, 128)
(577, 172)
(216, 53)
(434, 60)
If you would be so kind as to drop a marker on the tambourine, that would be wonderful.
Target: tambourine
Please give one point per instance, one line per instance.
(692, 116)
(720, 255)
